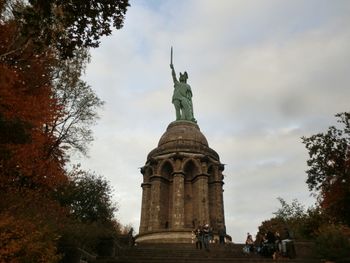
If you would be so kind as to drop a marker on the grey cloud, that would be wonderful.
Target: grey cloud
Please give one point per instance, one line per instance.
(260, 81)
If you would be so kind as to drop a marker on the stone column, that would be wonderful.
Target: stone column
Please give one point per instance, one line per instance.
(154, 220)
(203, 198)
(145, 207)
(220, 196)
(178, 214)
(216, 205)
(220, 199)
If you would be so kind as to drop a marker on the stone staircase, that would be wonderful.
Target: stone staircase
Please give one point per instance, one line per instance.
(178, 253)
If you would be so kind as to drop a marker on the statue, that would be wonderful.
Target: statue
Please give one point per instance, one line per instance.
(182, 96)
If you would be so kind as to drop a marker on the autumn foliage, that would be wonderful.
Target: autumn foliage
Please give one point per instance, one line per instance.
(29, 229)
(329, 169)
(34, 137)
(26, 107)
(31, 166)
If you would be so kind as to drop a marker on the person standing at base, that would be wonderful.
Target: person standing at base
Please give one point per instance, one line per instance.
(222, 234)
(249, 243)
(288, 249)
(199, 237)
(206, 236)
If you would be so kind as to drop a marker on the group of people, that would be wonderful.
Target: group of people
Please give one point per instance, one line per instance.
(271, 244)
(204, 236)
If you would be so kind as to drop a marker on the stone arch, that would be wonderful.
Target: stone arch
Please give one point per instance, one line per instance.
(211, 172)
(148, 173)
(191, 168)
(166, 169)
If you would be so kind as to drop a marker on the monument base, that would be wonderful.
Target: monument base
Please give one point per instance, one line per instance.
(173, 236)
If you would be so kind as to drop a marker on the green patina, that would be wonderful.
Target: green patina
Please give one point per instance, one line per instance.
(182, 96)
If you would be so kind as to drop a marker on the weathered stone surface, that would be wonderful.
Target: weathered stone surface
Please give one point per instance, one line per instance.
(183, 130)
(182, 186)
(186, 137)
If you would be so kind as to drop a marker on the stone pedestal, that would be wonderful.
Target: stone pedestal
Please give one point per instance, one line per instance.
(182, 187)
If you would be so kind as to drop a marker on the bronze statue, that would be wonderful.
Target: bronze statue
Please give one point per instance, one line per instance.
(182, 96)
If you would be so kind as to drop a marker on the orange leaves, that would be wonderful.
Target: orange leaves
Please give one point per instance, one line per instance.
(20, 238)
(29, 163)
(30, 223)
(44, 108)
(335, 200)
(29, 171)
(27, 106)
(10, 233)
(25, 94)
(25, 78)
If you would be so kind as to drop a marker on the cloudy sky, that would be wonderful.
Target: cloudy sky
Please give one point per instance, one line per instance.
(263, 73)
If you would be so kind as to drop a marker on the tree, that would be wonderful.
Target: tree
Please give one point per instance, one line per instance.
(292, 211)
(26, 105)
(64, 25)
(45, 108)
(290, 216)
(302, 223)
(77, 101)
(89, 197)
(333, 242)
(329, 169)
(29, 217)
(30, 225)
(42, 98)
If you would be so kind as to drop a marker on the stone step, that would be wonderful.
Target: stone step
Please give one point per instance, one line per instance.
(178, 253)
(206, 260)
(185, 253)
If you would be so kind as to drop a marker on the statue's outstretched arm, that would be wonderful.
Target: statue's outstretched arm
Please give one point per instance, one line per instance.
(173, 73)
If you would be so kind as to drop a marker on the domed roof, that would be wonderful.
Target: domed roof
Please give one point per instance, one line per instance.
(185, 137)
(183, 131)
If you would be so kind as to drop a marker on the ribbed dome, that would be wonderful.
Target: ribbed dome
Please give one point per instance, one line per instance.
(183, 131)
(185, 137)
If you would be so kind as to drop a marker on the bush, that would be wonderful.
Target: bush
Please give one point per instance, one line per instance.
(86, 236)
(23, 240)
(333, 242)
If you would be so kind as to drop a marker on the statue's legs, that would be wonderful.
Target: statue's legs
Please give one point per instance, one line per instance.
(177, 105)
(191, 109)
(186, 110)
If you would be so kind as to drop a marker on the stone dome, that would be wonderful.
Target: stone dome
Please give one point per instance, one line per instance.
(183, 136)
(183, 131)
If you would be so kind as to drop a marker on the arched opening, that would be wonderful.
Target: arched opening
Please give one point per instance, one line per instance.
(148, 173)
(166, 170)
(190, 171)
(166, 190)
(211, 172)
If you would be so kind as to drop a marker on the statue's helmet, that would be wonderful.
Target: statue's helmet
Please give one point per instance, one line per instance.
(184, 76)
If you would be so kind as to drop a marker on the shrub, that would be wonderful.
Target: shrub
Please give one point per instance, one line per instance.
(333, 242)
